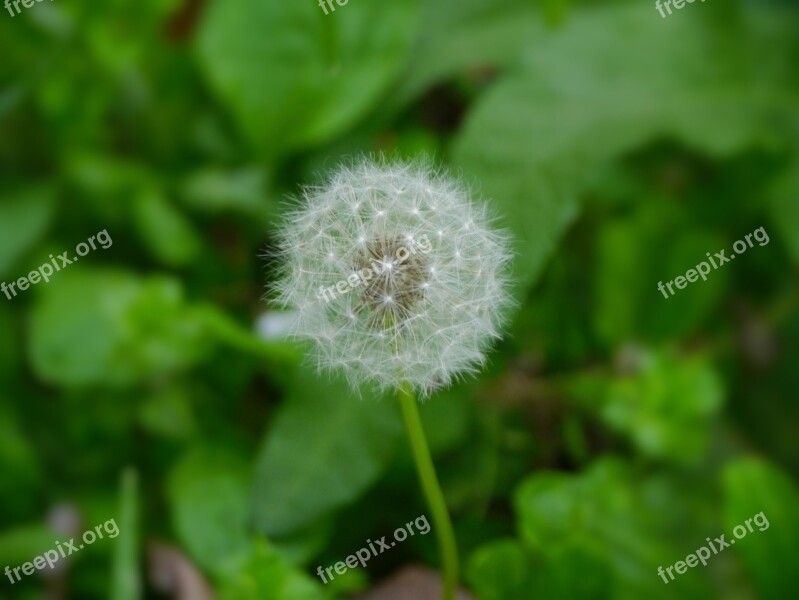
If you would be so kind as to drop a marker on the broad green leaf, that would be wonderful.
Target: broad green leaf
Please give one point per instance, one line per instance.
(759, 496)
(209, 498)
(466, 36)
(581, 99)
(294, 77)
(128, 328)
(325, 448)
(304, 544)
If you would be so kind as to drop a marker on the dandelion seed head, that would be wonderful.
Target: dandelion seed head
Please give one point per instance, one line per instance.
(424, 269)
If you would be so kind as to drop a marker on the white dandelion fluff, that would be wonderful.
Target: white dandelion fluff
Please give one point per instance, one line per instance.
(397, 276)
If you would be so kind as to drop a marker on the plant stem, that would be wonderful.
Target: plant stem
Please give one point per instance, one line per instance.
(432, 490)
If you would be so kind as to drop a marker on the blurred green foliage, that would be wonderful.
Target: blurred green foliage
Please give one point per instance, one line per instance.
(614, 429)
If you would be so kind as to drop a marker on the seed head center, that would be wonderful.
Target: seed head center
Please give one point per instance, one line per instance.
(398, 272)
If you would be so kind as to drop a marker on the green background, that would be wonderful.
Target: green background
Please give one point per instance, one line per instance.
(613, 431)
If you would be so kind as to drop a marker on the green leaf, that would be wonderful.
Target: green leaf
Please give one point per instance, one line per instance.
(215, 191)
(168, 412)
(18, 457)
(292, 76)
(167, 233)
(784, 209)
(754, 487)
(550, 507)
(666, 407)
(10, 350)
(555, 11)
(508, 570)
(603, 516)
(466, 35)
(106, 184)
(628, 303)
(24, 542)
(25, 215)
(323, 451)
(278, 355)
(265, 575)
(129, 329)
(581, 99)
(580, 571)
(304, 544)
(209, 498)
(501, 570)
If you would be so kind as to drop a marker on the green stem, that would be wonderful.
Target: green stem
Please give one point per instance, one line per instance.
(432, 490)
